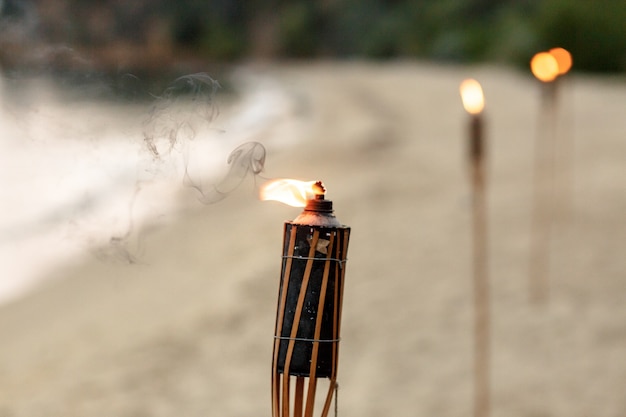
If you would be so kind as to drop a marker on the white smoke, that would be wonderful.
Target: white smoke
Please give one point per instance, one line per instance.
(80, 175)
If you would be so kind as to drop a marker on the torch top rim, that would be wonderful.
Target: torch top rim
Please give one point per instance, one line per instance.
(319, 204)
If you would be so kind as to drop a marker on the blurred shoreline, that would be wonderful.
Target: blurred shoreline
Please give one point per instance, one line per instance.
(188, 331)
(78, 177)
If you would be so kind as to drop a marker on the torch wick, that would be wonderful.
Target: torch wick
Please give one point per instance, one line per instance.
(319, 190)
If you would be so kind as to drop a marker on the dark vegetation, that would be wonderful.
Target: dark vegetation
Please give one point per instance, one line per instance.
(153, 33)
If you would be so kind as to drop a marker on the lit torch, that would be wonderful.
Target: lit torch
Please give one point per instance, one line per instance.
(308, 318)
(563, 59)
(546, 67)
(473, 102)
(565, 142)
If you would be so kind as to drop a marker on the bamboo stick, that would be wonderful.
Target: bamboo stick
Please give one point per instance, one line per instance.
(481, 296)
(543, 204)
(279, 324)
(298, 400)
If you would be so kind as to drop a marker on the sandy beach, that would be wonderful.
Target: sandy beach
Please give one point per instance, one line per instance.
(187, 329)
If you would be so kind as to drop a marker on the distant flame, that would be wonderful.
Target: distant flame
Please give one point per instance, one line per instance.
(544, 66)
(292, 192)
(563, 59)
(472, 96)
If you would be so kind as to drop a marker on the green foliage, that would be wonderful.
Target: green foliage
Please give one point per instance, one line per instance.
(298, 29)
(515, 40)
(222, 42)
(381, 41)
(510, 31)
(353, 27)
(210, 28)
(593, 31)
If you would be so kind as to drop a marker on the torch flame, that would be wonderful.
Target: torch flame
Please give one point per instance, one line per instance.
(563, 59)
(472, 96)
(544, 66)
(291, 192)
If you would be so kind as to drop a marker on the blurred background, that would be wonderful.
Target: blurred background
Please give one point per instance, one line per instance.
(139, 272)
(155, 36)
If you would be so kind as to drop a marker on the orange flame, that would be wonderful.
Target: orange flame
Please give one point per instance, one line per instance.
(544, 66)
(472, 96)
(563, 59)
(291, 192)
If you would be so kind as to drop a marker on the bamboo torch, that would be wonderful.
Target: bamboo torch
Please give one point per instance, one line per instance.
(308, 318)
(564, 144)
(473, 102)
(547, 67)
(544, 67)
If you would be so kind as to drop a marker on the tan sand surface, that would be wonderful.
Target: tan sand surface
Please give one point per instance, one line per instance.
(188, 330)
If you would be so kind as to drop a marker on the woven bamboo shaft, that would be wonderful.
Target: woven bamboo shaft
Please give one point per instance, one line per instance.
(308, 318)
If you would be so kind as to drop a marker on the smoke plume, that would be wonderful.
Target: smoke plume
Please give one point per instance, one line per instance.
(178, 115)
(246, 160)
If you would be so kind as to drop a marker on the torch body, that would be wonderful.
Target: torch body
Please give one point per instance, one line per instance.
(308, 318)
(476, 147)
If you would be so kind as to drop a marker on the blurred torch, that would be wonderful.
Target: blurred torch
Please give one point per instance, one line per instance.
(308, 317)
(546, 67)
(474, 103)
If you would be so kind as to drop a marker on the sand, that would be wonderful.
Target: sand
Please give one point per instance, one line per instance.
(187, 331)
